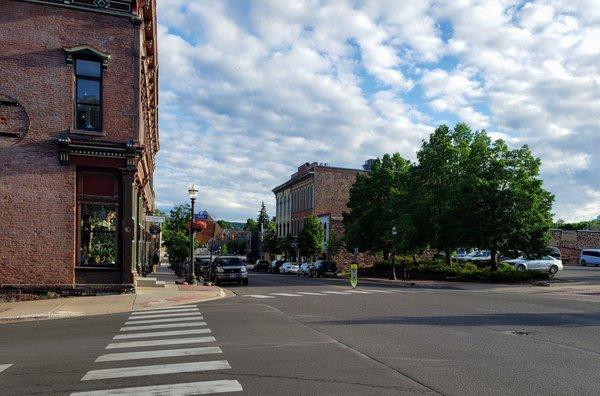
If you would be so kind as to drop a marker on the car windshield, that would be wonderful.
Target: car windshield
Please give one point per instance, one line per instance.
(327, 265)
(230, 261)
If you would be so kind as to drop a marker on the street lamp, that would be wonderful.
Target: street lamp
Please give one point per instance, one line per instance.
(193, 194)
(394, 233)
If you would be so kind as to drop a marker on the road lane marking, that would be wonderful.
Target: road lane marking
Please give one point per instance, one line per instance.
(114, 357)
(175, 341)
(285, 294)
(378, 291)
(311, 294)
(427, 291)
(163, 326)
(169, 307)
(170, 315)
(158, 369)
(164, 311)
(190, 388)
(161, 334)
(334, 292)
(257, 296)
(405, 291)
(136, 322)
(4, 366)
(359, 292)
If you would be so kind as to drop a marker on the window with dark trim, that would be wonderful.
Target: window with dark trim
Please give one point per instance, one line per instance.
(88, 94)
(98, 219)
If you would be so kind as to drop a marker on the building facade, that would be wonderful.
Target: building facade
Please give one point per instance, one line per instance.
(316, 189)
(78, 139)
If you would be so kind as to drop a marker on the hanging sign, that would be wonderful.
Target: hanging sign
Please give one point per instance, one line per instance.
(155, 219)
(353, 275)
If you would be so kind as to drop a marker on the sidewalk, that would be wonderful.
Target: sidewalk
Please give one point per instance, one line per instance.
(146, 297)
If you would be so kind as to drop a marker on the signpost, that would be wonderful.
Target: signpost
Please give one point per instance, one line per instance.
(155, 219)
(353, 275)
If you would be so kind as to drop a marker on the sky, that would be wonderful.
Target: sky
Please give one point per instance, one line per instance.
(249, 90)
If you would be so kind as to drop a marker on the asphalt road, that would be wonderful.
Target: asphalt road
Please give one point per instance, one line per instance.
(284, 334)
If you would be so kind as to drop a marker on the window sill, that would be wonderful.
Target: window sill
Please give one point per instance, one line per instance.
(86, 132)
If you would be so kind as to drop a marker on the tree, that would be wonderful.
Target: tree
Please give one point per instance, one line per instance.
(225, 225)
(335, 244)
(175, 234)
(270, 244)
(286, 245)
(310, 239)
(251, 225)
(263, 217)
(378, 202)
(438, 179)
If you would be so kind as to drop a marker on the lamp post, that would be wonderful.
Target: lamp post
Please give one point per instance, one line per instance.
(394, 233)
(193, 194)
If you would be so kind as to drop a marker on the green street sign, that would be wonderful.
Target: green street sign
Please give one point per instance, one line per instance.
(353, 275)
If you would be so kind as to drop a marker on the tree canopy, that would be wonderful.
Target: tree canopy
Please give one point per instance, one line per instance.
(465, 190)
(310, 238)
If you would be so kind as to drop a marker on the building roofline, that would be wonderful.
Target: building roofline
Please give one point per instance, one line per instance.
(292, 181)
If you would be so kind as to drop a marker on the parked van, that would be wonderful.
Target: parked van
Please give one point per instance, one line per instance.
(590, 257)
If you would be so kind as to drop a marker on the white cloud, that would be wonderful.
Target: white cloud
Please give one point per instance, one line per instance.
(251, 90)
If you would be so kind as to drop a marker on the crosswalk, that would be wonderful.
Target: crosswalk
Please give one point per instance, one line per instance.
(349, 292)
(170, 328)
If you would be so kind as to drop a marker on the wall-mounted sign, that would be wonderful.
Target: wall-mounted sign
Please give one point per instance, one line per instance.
(155, 219)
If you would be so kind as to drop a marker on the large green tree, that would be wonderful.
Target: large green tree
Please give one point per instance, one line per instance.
(263, 217)
(379, 201)
(310, 238)
(286, 245)
(175, 234)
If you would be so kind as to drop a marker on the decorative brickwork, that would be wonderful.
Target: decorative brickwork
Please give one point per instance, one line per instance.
(571, 243)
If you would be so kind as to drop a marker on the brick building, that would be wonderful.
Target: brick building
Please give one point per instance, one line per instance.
(316, 189)
(78, 139)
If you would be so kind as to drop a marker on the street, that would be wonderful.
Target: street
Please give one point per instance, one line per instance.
(285, 334)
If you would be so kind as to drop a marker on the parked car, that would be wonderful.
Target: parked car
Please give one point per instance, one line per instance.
(229, 269)
(294, 268)
(201, 267)
(306, 269)
(274, 267)
(261, 266)
(325, 268)
(287, 267)
(543, 263)
(554, 252)
(590, 257)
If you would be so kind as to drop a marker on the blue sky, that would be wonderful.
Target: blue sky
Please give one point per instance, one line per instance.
(250, 90)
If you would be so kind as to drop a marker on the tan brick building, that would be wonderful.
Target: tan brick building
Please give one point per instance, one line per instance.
(316, 189)
(78, 139)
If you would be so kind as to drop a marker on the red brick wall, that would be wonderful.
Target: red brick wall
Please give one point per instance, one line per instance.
(37, 195)
(332, 190)
(571, 243)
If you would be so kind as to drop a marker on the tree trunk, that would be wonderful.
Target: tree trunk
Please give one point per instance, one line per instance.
(415, 259)
(448, 257)
(494, 259)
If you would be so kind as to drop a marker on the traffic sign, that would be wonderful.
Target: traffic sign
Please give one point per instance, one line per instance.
(353, 275)
(155, 219)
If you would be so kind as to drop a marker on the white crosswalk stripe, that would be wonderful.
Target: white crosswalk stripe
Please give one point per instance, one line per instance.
(190, 388)
(161, 334)
(257, 296)
(113, 357)
(164, 311)
(285, 294)
(170, 341)
(334, 292)
(359, 292)
(169, 315)
(378, 291)
(173, 368)
(162, 326)
(4, 367)
(136, 322)
(311, 294)
(165, 308)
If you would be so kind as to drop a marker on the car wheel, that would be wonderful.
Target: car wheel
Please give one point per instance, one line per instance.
(553, 269)
(521, 268)
(583, 263)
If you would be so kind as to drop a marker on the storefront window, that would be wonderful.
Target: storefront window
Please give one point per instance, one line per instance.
(98, 227)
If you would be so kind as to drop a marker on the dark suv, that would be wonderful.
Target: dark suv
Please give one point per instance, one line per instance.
(229, 269)
(324, 268)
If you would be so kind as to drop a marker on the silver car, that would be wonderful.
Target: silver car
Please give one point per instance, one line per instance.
(544, 263)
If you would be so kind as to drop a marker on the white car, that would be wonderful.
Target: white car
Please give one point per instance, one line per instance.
(286, 268)
(544, 263)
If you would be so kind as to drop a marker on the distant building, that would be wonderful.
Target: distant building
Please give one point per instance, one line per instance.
(317, 189)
